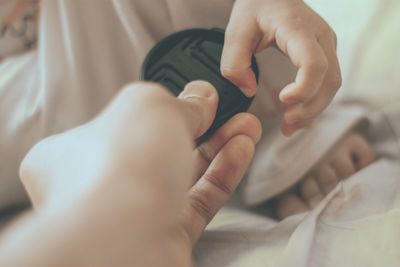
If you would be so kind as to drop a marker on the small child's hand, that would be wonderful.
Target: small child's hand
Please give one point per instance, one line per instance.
(298, 32)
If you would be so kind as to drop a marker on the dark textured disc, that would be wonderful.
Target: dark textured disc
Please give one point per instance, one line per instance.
(191, 55)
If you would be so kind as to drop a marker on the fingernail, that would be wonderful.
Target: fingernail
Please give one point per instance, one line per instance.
(197, 90)
(285, 94)
(248, 91)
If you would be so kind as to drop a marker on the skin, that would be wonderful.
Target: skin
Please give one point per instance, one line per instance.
(295, 29)
(302, 35)
(102, 174)
(117, 193)
(350, 155)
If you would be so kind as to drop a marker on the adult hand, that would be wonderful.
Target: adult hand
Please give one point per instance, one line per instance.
(129, 187)
(298, 32)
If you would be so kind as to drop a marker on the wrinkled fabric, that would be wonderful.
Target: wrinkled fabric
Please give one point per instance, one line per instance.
(18, 26)
(357, 224)
(280, 161)
(88, 50)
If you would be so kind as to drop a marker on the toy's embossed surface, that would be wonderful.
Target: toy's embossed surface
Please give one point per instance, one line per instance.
(195, 55)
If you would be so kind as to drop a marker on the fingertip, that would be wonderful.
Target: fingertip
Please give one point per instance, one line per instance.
(292, 94)
(245, 124)
(200, 102)
(248, 91)
(286, 130)
(245, 79)
(199, 88)
(256, 128)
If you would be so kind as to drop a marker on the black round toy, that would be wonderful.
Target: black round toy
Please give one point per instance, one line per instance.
(190, 55)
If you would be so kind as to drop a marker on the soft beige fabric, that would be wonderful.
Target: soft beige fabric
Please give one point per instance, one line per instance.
(18, 26)
(280, 162)
(357, 224)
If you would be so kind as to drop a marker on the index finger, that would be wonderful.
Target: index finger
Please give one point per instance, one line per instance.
(212, 190)
(241, 38)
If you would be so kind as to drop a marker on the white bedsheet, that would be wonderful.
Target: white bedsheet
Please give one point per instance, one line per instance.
(357, 224)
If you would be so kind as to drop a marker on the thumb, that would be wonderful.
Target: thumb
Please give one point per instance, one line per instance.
(199, 101)
(241, 39)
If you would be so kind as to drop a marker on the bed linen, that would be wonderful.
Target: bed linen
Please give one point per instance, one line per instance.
(71, 77)
(357, 224)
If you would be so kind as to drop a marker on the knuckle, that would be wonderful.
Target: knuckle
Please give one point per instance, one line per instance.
(297, 28)
(201, 206)
(218, 184)
(324, 28)
(296, 23)
(319, 65)
(335, 82)
(206, 152)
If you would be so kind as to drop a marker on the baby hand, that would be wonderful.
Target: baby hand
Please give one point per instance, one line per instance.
(298, 32)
